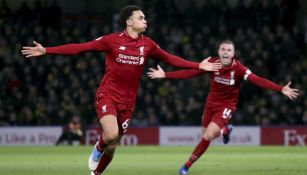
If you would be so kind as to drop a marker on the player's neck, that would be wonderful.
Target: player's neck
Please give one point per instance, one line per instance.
(132, 33)
(229, 65)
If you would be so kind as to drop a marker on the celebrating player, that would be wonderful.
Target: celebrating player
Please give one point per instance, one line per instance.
(223, 96)
(126, 54)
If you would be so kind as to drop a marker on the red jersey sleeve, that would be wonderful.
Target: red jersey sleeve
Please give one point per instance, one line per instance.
(157, 52)
(183, 74)
(100, 44)
(246, 74)
(264, 83)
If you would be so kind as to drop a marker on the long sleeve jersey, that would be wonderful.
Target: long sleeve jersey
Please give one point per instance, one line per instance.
(225, 83)
(125, 60)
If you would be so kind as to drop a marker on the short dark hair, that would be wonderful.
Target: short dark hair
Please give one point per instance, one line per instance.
(125, 13)
(227, 42)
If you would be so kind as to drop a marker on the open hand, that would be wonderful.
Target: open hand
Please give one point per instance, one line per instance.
(207, 66)
(290, 92)
(156, 73)
(35, 51)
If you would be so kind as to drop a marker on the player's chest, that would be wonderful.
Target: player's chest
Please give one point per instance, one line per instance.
(225, 77)
(131, 53)
(135, 48)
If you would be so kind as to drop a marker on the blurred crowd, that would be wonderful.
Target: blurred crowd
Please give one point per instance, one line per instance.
(50, 90)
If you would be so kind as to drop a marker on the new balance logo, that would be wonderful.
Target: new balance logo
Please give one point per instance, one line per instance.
(122, 48)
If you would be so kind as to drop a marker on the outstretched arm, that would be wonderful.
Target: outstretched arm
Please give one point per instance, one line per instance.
(291, 93)
(180, 62)
(183, 74)
(68, 49)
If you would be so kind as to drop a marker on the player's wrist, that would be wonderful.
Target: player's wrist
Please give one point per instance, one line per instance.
(45, 50)
(163, 75)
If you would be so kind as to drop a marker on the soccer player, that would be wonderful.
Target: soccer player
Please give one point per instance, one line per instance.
(223, 96)
(126, 54)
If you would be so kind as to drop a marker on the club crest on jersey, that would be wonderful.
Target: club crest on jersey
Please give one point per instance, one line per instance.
(141, 61)
(232, 76)
(142, 50)
(229, 80)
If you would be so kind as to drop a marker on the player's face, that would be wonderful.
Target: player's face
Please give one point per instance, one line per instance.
(226, 53)
(137, 21)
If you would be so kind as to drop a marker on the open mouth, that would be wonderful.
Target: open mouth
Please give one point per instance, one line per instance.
(225, 56)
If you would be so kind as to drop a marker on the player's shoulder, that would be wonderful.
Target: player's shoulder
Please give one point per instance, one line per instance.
(110, 36)
(149, 42)
(238, 65)
(236, 62)
(115, 35)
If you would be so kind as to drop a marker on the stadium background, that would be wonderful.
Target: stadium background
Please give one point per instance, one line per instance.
(270, 38)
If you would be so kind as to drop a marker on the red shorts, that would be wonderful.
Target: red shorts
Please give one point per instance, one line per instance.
(106, 106)
(220, 115)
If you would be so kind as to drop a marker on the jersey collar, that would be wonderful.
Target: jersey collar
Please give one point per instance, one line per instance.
(141, 36)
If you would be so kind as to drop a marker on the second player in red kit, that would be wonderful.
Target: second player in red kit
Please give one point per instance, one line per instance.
(223, 95)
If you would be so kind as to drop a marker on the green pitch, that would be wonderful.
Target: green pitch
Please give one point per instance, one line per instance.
(154, 160)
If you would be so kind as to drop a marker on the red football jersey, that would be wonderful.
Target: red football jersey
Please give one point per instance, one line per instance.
(125, 60)
(225, 83)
